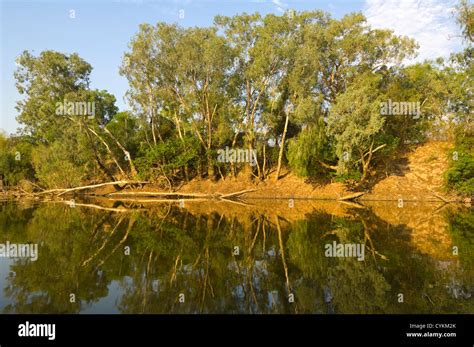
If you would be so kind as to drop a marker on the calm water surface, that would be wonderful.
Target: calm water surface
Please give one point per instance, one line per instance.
(222, 257)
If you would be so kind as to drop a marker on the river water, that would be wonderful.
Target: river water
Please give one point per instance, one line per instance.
(258, 256)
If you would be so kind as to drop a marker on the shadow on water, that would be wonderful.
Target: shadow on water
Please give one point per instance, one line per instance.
(223, 257)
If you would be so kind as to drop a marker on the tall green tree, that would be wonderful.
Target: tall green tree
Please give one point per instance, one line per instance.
(59, 107)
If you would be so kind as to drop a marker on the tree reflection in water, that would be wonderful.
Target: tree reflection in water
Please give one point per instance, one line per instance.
(236, 259)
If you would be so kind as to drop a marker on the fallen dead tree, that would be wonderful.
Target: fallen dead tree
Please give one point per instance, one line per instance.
(218, 196)
(446, 201)
(62, 191)
(160, 194)
(351, 203)
(98, 207)
(351, 196)
(179, 200)
(139, 194)
(233, 195)
(58, 192)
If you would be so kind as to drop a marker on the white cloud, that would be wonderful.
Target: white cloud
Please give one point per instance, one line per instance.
(279, 5)
(430, 22)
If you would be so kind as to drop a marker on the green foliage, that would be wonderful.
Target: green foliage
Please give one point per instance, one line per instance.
(350, 176)
(465, 18)
(458, 76)
(355, 121)
(125, 128)
(460, 175)
(418, 83)
(306, 150)
(37, 111)
(15, 160)
(167, 158)
(58, 166)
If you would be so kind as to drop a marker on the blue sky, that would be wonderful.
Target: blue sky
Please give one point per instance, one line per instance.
(101, 30)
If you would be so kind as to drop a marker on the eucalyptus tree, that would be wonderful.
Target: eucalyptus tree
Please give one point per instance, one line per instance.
(300, 98)
(355, 121)
(465, 18)
(59, 106)
(355, 59)
(351, 47)
(266, 54)
(181, 74)
(149, 68)
(423, 85)
(205, 60)
(44, 81)
(257, 64)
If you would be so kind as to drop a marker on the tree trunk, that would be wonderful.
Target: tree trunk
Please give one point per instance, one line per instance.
(107, 147)
(102, 167)
(152, 124)
(199, 167)
(232, 164)
(366, 163)
(282, 148)
(152, 114)
(186, 173)
(128, 157)
(210, 166)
